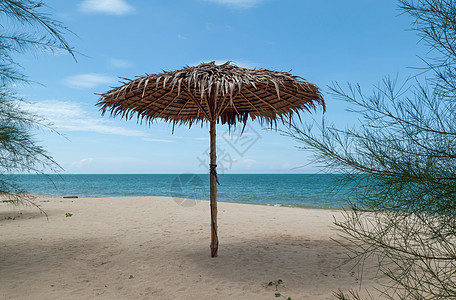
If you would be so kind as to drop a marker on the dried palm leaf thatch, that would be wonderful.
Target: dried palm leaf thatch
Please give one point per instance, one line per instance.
(208, 92)
(212, 93)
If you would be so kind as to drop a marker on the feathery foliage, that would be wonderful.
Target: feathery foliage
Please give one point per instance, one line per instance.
(23, 27)
(403, 158)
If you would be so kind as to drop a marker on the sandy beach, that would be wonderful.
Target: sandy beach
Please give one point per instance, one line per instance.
(158, 248)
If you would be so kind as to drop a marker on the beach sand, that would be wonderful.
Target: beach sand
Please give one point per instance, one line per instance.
(158, 248)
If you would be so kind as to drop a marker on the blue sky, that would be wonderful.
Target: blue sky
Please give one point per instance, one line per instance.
(357, 41)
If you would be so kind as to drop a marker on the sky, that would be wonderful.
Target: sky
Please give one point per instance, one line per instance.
(325, 42)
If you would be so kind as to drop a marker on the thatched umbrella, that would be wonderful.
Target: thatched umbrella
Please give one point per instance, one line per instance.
(215, 94)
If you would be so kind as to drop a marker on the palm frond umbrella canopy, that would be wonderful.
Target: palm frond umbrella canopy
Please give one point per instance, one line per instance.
(225, 94)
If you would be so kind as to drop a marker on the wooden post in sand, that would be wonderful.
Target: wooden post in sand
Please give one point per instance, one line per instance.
(213, 172)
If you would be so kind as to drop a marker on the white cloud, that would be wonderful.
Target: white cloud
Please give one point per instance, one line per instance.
(120, 63)
(68, 116)
(89, 80)
(248, 163)
(209, 27)
(191, 138)
(110, 7)
(82, 162)
(286, 165)
(243, 4)
(158, 140)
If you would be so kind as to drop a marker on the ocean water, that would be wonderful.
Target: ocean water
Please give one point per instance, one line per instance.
(309, 190)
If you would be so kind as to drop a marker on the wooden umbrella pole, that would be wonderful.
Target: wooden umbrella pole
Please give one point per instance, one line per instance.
(213, 172)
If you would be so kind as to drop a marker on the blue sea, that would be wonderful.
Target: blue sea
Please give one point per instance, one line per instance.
(307, 190)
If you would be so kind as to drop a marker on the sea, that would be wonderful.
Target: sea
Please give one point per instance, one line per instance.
(303, 190)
